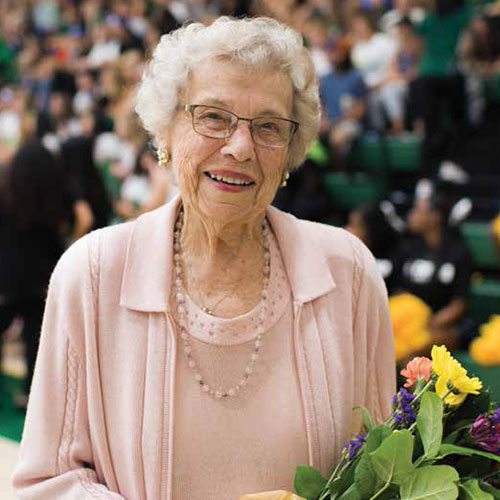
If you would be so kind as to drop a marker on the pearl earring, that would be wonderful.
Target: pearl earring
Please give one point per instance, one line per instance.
(163, 157)
(285, 179)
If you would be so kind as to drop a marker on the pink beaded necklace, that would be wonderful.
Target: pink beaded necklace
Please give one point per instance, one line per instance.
(180, 298)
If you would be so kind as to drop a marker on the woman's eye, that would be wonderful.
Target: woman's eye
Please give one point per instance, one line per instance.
(212, 116)
(269, 126)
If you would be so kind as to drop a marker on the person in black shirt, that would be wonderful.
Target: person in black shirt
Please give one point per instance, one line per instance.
(434, 264)
(378, 226)
(37, 210)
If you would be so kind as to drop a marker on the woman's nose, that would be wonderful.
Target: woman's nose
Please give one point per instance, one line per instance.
(240, 144)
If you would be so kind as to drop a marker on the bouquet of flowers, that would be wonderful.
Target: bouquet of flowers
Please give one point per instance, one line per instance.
(441, 442)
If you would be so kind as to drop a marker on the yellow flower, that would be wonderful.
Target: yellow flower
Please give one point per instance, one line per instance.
(441, 359)
(452, 376)
(485, 349)
(409, 317)
(496, 227)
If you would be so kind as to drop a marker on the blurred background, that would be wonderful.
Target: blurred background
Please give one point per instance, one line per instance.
(408, 156)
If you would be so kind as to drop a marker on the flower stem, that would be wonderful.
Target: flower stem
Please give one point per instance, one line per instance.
(424, 389)
(379, 492)
(337, 471)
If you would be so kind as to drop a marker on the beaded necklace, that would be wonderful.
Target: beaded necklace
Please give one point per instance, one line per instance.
(180, 298)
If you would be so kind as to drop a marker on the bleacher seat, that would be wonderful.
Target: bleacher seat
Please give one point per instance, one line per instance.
(349, 191)
(484, 252)
(403, 152)
(368, 154)
(492, 88)
(484, 299)
(372, 153)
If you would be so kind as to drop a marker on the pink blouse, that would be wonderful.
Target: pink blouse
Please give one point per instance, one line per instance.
(213, 439)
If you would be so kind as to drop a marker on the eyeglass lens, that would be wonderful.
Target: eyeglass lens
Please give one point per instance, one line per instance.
(219, 123)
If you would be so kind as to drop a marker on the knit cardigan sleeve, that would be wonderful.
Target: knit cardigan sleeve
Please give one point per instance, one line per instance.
(371, 315)
(57, 450)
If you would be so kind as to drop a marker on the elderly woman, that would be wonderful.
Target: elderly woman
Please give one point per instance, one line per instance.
(207, 348)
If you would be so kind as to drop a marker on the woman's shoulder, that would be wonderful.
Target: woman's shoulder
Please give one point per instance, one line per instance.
(85, 254)
(336, 243)
(346, 256)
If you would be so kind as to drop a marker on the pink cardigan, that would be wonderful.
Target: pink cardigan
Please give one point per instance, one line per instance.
(99, 422)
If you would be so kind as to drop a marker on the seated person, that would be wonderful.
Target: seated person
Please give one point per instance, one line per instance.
(343, 94)
(403, 70)
(479, 46)
(435, 266)
(378, 226)
(372, 54)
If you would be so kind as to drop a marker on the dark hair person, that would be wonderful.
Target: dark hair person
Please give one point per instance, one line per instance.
(435, 266)
(35, 209)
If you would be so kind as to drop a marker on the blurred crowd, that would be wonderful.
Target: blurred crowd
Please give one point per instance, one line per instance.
(73, 156)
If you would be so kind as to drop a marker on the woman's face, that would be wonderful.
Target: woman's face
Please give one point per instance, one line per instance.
(356, 225)
(422, 217)
(197, 159)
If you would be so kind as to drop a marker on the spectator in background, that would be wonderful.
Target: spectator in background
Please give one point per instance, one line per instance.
(402, 9)
(54, 121)
(36, 208)
(83, 100)
(379, 228)
(438, 93)
(147, 188)
(105, 47)
(343, 96)
(86, 183)
(372, 54)
(316, 32)
(434, 265)
(403, 70)
(480, 44)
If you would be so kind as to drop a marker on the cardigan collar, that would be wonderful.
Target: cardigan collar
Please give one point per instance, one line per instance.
(147, 275)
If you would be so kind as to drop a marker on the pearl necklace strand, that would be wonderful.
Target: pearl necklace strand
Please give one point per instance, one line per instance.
(182, 316)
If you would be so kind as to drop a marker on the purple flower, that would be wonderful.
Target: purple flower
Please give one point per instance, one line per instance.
(354, 445)
(403, 413)
(495, 417)
(485, 432)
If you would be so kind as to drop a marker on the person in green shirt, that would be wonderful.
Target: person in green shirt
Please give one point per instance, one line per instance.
(8, 70)
(438, 94)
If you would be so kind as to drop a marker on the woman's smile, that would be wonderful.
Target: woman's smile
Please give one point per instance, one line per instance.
(228, 181)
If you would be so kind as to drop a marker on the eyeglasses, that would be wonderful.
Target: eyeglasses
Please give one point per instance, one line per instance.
(219, 123)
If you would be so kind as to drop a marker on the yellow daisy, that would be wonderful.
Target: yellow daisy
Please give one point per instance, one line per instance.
(441, 359)
(452, 376)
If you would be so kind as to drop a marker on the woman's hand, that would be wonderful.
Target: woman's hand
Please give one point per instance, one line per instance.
(272, 495)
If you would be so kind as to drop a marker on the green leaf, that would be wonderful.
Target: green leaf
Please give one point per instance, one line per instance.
(308, 482)
(451, 449)
(375, 437)
(367, 418)
(346, 479)
(365, 479)
(430, 423)
(490, 489)
(391, 461)
(435, 482)
(335, 486)
(457, 434)
(470, 490)
(351, 493)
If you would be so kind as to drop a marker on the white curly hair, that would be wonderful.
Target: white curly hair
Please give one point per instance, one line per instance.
(255, 42)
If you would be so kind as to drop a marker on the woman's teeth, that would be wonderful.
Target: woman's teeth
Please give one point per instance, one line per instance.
(228, 180)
